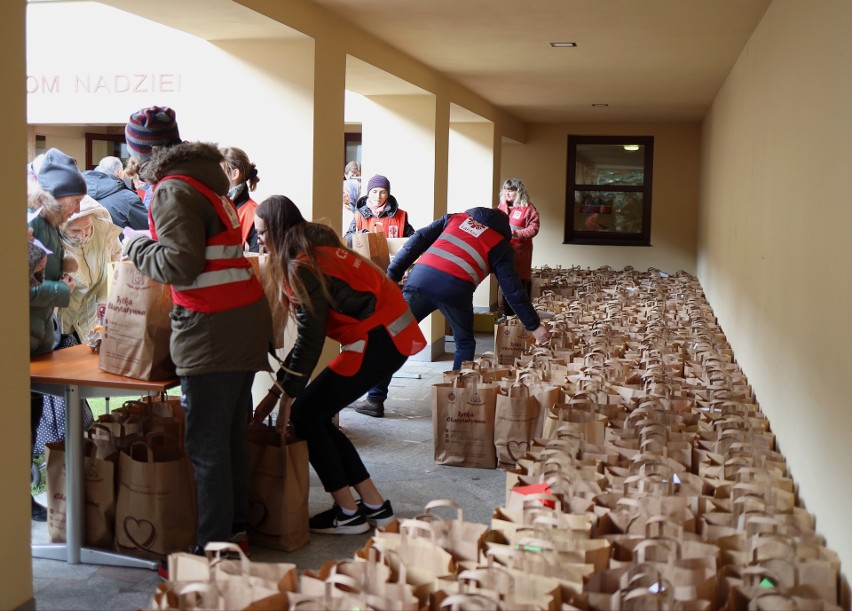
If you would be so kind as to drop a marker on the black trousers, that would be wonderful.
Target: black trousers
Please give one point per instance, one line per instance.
(332, 455)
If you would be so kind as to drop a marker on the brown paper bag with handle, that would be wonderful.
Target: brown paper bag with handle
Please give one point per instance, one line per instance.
(515, 417)
(278, 489)
(374, 246)
(137, 328)
(463, 422)
(99, 494)
(156, 511)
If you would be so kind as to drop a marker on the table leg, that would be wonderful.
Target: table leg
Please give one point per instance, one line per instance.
(74, 497)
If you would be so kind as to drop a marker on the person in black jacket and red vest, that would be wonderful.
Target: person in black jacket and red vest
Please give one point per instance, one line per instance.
(221, 322)
(454, 255)
(334, 292)
(379, 210)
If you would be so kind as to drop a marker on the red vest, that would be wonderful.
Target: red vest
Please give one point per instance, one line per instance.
(246, 214)
(518, 219)
(393, 226)
(462, 249)
(391, 311)
(227, 281)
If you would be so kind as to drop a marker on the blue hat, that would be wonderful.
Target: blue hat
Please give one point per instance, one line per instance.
(378, 182)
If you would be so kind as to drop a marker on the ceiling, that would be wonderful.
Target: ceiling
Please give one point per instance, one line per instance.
(647, 60)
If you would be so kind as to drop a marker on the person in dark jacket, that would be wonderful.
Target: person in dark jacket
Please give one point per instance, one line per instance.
(123, 204)
(454, 255)
(378, 209)
(334, 292)
(221, 322)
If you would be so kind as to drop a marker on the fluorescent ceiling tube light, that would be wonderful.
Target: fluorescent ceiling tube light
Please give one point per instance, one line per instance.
(599, 105)
(631, 147)
(563, 44)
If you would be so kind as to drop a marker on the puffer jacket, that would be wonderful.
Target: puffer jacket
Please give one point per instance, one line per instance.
(52, 293)
(366, 212)
(123, 204)
(230, 340)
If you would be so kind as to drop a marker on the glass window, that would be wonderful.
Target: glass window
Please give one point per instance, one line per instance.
(609, 190)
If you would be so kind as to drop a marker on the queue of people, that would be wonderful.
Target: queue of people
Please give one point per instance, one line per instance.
(200, 220)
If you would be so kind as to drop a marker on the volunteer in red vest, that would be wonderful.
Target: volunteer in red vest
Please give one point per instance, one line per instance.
(221, 322)
(454, 255)
(379, 210)
(242, 175)
(334, 292)
(524, 223)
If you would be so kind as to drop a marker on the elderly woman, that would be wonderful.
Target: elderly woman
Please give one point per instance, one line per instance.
(93, 239)
(62, 189)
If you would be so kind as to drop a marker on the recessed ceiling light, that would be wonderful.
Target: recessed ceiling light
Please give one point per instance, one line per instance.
(563, 44)
(631, 147)
(599, 105)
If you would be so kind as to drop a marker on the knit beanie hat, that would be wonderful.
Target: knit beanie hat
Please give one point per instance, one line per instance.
(378, 182)
(150, 127)
(59, 176)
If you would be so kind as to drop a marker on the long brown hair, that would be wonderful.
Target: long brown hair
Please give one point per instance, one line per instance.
(290, 240)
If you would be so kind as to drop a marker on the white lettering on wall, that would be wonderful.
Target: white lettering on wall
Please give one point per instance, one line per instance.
(98, 84)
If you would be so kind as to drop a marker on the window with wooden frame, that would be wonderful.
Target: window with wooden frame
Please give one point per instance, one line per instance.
(608, 196)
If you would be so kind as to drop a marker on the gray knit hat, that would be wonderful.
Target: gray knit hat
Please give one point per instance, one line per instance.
(59, 176)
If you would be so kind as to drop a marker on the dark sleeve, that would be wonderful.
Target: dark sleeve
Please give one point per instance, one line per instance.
(351, 230)
(253, 246)
(310, 328)
(502, 261)
(408, 230)
(137, 215)
(416, 245)
(50, 294)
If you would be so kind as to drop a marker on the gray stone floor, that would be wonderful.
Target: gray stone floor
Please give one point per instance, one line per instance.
(396, 449)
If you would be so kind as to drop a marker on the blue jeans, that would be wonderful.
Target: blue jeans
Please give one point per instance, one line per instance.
(460, 318)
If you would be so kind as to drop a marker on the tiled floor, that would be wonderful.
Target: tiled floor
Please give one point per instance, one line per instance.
(396, 449)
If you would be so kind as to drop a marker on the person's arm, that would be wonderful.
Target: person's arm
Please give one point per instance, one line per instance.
(351, 230)
(415, 246)
(532, 227)
(177, 256)
(137, 215)
(310, 326)
(502, 261)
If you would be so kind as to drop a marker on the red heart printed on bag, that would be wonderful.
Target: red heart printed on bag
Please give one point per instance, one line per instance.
(141, 533)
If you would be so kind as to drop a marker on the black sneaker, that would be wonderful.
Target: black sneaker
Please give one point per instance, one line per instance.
(368, 407)
(335, 522)
(377, 517)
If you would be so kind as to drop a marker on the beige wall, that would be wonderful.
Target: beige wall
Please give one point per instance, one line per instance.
(773, 246)
(15, 566)
(541, 163)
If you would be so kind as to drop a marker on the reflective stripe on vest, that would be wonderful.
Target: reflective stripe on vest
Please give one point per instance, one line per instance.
(227, 280)
(394, 328)
(471, 242)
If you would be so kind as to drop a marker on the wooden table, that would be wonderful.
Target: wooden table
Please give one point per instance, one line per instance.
(73, 373)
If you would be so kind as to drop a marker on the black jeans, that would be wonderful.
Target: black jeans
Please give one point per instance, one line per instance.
(332, 455)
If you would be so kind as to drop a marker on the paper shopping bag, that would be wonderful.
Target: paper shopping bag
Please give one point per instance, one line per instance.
(260, 265)
(463, 422)
(278, 489)
(515, 417)
(137, 328)
(510, 341)
(373, 246)
(156, 511)
(98, 489)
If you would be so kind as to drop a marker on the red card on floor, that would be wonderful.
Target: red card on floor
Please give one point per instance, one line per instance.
(540, 488)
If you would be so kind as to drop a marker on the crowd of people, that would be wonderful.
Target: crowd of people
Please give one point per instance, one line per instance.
(183, 213)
